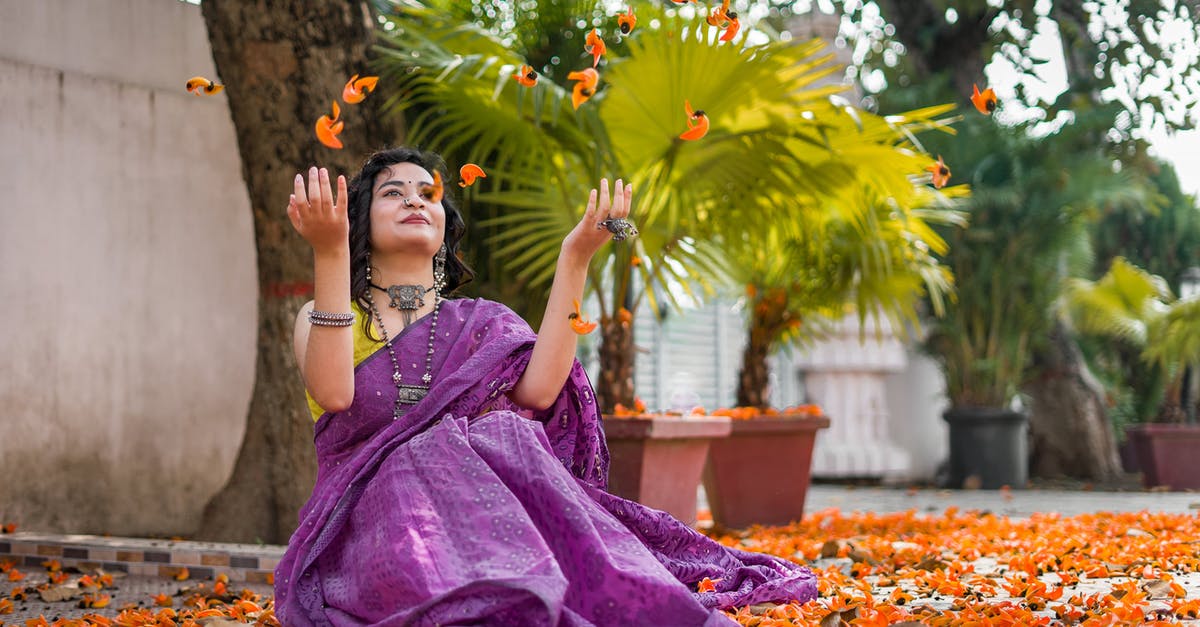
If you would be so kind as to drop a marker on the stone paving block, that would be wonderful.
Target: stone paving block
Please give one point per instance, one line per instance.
(187, 558)
(214, 559)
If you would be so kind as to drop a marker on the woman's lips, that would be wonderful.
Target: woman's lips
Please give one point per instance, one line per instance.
(414, 220)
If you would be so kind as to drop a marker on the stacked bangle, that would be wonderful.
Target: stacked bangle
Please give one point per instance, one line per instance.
(327, 319)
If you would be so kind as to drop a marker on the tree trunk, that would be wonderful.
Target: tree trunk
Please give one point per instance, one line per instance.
(769, 318)
(936, 46)
(754, 376)
(616, 365)
(283, 63)
(1070, 433)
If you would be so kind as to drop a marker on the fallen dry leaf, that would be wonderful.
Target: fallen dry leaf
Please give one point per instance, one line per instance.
(54, 594)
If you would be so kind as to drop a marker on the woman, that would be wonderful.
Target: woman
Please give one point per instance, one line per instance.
(461, 463)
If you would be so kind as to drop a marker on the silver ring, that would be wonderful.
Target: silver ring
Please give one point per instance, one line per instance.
(619, 227)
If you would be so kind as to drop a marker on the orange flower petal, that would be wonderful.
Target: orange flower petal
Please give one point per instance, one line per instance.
(585, 88)
(200, 86)
(627, 21)
(356, 89)
(732, 30)
(984, 102)
(328, 128)
(433, 193)
(525, 76)
(941, 173)
(697, 122)
(468, 173)
(578, 323)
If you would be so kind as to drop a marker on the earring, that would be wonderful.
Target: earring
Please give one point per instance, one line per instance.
(368, 269)
(439, 269)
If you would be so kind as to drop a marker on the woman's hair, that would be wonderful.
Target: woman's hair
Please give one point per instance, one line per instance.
(359, 213)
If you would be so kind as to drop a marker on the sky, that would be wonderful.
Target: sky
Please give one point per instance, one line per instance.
(1182, 149)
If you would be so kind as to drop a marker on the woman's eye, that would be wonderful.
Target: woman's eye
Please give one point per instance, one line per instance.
(391, 192)
(426, 192)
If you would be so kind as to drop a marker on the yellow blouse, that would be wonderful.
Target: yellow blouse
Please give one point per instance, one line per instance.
(363, 347)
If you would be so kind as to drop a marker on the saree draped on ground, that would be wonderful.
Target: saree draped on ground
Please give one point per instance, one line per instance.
(464, 511)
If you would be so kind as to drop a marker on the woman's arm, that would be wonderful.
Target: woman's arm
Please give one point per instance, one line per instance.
(554, 349)
(325, 354)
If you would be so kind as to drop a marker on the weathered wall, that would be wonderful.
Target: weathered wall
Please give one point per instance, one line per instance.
(126, 270)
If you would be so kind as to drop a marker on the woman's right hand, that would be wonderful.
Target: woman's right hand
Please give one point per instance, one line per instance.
(317, 215)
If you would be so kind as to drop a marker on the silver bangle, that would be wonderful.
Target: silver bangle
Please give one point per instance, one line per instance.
(328, 319)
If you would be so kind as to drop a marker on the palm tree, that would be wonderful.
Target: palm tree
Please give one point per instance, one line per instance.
(769, 152)
(1138, 309)
(868, 249)
(1032, 199)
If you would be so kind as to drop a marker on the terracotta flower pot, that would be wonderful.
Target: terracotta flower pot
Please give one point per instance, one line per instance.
(1168, 454)
(656, 460)
(760, 473)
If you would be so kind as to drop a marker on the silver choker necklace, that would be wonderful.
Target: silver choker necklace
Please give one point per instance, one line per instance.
(406, 298)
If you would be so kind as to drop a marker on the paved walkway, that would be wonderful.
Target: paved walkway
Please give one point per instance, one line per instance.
(145, 567)
(1014, 503)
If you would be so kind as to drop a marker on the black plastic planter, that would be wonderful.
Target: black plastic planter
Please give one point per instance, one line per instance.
(988, 447)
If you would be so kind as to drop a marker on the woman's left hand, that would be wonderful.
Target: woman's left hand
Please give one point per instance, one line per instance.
(589, 235)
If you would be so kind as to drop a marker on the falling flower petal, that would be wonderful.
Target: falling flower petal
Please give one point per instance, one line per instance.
(200, 86)
(356, 88)
(433, 192)
(941, 173)
(697, 122)
(525, 76)
(585, 88)
(732, 29)
(468, 173)
(985, 102)
(579, 324)
(328, 128)
(626, 21)
(595, 46)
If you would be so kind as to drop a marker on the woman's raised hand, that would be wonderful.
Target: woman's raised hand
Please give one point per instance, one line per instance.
(317, 215)
(589, 235)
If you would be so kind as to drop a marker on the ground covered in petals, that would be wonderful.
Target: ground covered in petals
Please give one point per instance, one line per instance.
(975, 568)
(969, 568)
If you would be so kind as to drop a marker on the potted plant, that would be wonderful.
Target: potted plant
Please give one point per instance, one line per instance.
(691, 197)
(866, 249)
(1030, 205)
(1138, 309)
(1160, 235)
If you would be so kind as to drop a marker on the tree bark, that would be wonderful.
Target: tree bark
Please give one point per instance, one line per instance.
(616, 365)
(283, 63)
(961, 50)
(755, 374)
(1070, 433)
(769, 316)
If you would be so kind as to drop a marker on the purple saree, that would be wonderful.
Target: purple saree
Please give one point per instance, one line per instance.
(464, 512)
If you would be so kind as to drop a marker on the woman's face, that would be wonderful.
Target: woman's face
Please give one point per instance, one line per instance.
(402, 219)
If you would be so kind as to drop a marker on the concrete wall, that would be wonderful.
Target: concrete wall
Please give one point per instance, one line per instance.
(127, 270)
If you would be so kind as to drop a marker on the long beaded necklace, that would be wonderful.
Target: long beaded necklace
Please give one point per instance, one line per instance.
(408, 394)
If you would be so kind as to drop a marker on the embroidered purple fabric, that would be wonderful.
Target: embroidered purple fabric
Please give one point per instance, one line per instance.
(467, 511)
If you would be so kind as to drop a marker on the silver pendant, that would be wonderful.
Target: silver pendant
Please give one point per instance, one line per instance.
(411, 394)
(406, 297)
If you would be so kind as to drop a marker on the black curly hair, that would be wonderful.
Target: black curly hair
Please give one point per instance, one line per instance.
(359, 213)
